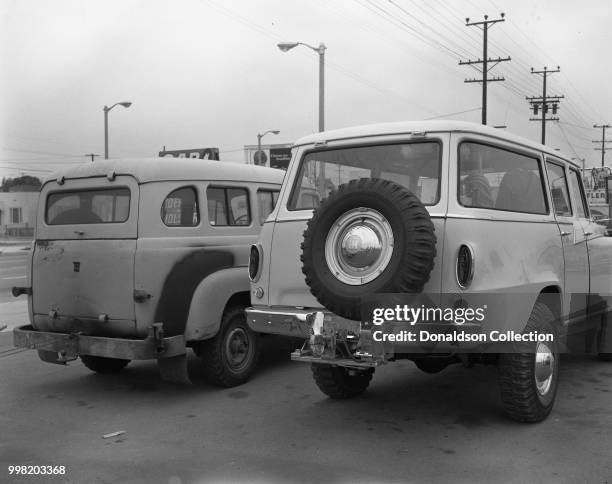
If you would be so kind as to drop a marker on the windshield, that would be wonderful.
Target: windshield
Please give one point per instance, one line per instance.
(416, 166)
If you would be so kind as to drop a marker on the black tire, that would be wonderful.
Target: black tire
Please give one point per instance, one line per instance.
(431, 365)
(103, 365)
(230, 357)
(520, 396)
(414, 247)
(340, 383)
(605, 356)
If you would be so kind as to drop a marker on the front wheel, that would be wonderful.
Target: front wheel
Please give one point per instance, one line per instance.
(230, 357)
(528, 381)
(340, 383)
(101, 364)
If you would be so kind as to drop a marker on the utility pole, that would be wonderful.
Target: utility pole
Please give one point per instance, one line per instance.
(92, 156)
(603, 141)
(484, 25)
(543, 101)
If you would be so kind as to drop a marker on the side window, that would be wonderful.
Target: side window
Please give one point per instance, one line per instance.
(228, 206)
(266, 200)
(498, 179)
(558, 189)
(578, 194)
(180, 208)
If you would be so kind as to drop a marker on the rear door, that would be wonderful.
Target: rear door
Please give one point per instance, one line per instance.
(83, 262)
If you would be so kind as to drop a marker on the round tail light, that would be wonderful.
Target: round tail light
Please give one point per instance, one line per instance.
(254, 263)
(465, 266)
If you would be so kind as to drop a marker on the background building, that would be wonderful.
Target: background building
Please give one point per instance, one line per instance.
(18, 213)
(274, 155)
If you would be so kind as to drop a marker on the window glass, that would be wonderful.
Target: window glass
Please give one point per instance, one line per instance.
(414, 165)
(180, 208)
(16, 215)
(88, 207)
(558, 189)
(238, 201)
(228, 206)
(578, 195)
(266, 200)
(499, 179)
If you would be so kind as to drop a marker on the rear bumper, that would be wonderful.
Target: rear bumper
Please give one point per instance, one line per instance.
(338, 341)
(69, 346)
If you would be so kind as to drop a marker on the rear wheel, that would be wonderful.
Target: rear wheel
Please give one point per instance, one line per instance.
(339, 382)
(101, 364)
(231, 356)
(528, 381)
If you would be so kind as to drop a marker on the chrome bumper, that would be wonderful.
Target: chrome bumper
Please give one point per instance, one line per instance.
(289, 322)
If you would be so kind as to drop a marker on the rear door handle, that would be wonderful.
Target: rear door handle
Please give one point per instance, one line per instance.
(565, 234)
(588, 233)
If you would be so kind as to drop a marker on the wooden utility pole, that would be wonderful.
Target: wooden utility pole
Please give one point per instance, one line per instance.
(543, 101)
(484, 25)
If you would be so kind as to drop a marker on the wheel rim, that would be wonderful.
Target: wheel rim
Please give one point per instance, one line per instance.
(237, 348)
(359, 246)
(544, 368)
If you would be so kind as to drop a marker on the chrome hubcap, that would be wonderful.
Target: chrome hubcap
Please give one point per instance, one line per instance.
(359, 246)
(544, 368)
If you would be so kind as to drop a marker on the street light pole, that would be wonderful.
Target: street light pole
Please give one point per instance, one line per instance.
(259, 136)
(285, 46)
(106, 109)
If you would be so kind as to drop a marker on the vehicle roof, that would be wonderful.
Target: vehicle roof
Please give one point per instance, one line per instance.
(167, 169)
(431, 126)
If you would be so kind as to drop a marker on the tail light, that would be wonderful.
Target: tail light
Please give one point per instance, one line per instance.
(465, 266)
(255, 260)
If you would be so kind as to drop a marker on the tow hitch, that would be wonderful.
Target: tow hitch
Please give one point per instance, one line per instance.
(339, 341)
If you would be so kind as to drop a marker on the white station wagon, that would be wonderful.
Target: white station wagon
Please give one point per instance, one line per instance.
(140, 259)
(449, 210)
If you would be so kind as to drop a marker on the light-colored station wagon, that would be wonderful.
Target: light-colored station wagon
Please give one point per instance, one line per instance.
(140, 259)
(440, 208)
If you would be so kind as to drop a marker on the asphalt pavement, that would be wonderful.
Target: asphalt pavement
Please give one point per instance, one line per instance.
(408, 427)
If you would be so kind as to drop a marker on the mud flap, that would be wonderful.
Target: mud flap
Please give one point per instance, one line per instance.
(174, 369)
(605, 334)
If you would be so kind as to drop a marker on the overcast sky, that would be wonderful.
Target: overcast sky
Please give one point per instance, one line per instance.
(204, 73)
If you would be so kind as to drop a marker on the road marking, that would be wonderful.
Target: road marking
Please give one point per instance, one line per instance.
(14, 277)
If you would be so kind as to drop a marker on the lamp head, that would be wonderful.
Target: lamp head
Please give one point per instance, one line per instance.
(275, 131)
(285, 46)
(125, 104)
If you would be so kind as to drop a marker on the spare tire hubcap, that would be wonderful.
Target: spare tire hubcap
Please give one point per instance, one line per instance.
(359, 246)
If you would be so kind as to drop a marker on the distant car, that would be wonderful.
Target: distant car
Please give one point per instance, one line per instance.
(448, 209)
(140, 259)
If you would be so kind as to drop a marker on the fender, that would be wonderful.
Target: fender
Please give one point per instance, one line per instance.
(209, 301)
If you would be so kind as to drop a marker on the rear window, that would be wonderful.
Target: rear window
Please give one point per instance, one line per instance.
(88, 206)
(413, 165)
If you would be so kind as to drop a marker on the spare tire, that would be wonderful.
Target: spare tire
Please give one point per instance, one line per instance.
(369, 236)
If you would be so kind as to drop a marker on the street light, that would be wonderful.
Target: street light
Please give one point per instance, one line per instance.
(286, 46)
(259, 136)
(106, 109)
